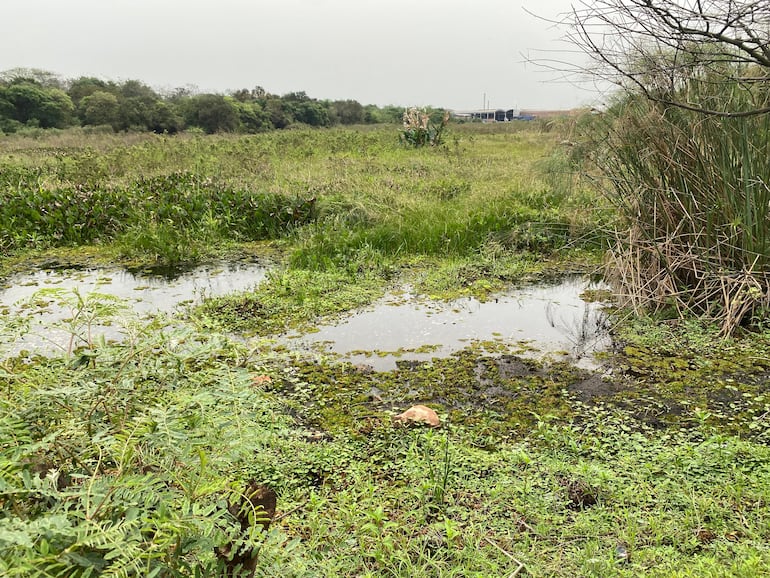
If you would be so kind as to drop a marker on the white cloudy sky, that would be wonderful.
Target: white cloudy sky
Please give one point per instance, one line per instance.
(448, 53)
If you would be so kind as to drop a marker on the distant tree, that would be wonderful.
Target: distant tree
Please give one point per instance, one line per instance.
(252, 117)
(85, 86)
(58, 110)
(245, 95)
(8, 124)
(300, 96)
(134, 114)
(37, 105)
(311, 112)
(36, 97)
(26, 98)
(6, 107)
(100, 108)
(213, 113)
(137, 104)
(276, 110)
(299, 107)
(372, 114)
(37, 76)
(165, 119)
(137, 89)
(242, 95)
(182, 93)
(347, 111)
(387, 114)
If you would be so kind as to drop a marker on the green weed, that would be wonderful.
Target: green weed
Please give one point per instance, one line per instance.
(179, 198)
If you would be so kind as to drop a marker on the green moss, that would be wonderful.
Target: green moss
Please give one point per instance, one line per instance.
(500, 393)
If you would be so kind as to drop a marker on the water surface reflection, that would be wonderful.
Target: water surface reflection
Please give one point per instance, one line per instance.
(543, 319)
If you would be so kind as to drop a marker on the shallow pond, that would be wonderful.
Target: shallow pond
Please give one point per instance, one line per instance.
(146, 291)
(536, 320)
(544, 319)
(44, 296)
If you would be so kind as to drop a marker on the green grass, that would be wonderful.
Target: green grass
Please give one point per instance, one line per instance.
(173, 199)
(119, 459)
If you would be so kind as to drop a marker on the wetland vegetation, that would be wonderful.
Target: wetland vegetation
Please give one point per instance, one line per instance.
(120, 458)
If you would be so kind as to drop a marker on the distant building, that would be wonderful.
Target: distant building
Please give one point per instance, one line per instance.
(492, 115)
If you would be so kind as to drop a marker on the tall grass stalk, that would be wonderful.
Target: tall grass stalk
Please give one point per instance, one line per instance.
(695, 198)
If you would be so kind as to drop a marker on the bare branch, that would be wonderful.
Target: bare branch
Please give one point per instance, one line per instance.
(672, 50)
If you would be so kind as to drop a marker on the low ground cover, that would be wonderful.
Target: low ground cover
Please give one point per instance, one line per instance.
(118, 462)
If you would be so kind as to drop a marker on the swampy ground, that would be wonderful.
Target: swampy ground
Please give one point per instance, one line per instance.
(117, 458)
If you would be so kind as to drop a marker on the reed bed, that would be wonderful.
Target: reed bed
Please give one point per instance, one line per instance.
(695, 202)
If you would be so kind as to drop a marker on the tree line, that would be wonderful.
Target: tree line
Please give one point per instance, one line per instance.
(41, 99)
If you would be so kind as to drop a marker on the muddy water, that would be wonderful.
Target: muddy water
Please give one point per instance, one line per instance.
(548, 319)
(143, 292)
(542, 320)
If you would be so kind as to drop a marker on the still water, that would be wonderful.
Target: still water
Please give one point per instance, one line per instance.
(45, 298)
(146, 292)
(543, 319)
(538, 320)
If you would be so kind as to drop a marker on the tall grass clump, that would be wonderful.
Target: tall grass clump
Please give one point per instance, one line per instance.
(694, 199)
(455, 228)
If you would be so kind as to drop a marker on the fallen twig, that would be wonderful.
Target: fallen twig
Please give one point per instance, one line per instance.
(288, 513)
(509, 555)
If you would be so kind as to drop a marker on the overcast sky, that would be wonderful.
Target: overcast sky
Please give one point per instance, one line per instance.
(448, 53)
